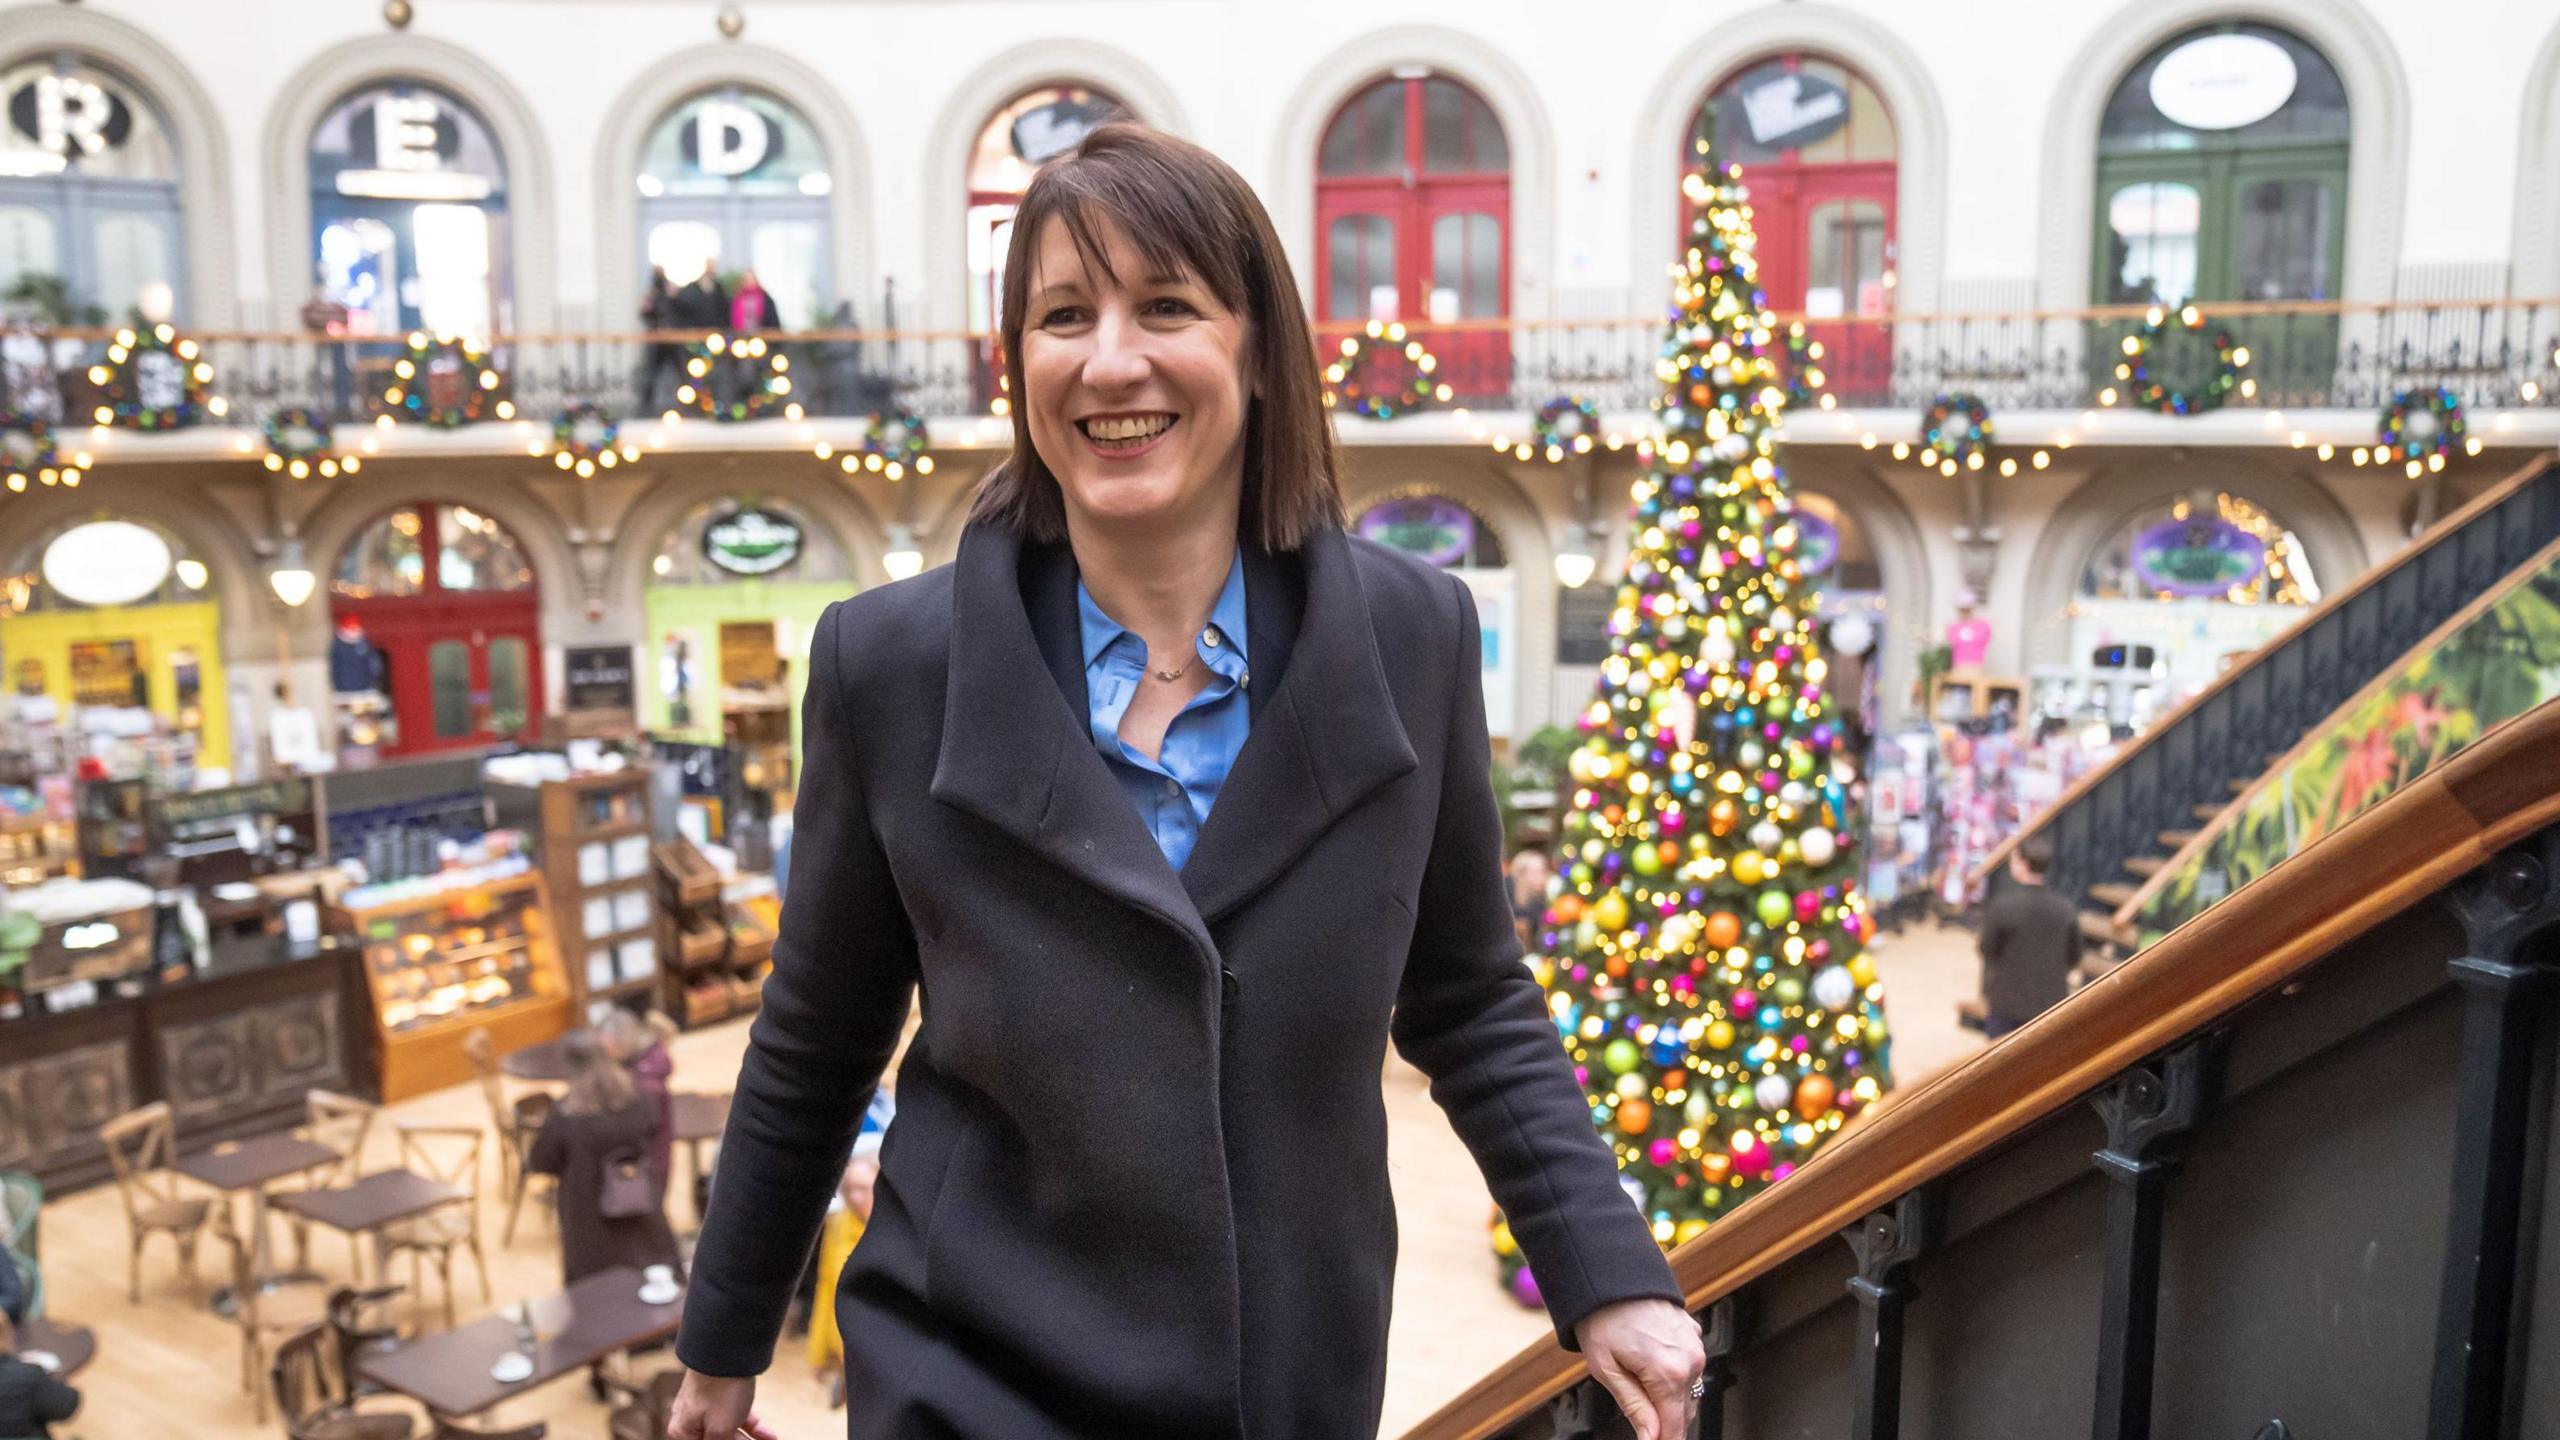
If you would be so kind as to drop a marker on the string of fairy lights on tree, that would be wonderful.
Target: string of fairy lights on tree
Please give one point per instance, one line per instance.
(1707, 959)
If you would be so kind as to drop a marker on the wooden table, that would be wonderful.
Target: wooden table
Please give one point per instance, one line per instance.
(73, 1347)
(253, 1165)
(378, 1200)
(547, 1063)
(448, 1372)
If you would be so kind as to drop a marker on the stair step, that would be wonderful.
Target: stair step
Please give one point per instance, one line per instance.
(2178, 839)
(2207, 811)
(2147, 866)
(2100, 928)
(2113, 894)
(2240, 783)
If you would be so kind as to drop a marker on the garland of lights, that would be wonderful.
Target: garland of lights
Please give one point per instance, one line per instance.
(299, 443)
(119, 379)
(763, 389)
(585, 437)
(405, 398)
(1805, 380)
(2134, 371)
(1956, 430)
(2421, 430)
(30, 451)
(1566, 425)
(1347, 383)
(893, 442)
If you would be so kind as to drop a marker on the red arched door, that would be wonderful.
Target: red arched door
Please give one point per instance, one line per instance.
(1816, 147)
(446, 598)
(1413, 223)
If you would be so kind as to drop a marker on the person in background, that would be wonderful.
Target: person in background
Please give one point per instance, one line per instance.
(752, 308)
(601, 1121)
(2030, 939)
(845, 1219)
(658, 312)
(31, 1399)
(703, 305)
(637, 1046)
(1530, 871)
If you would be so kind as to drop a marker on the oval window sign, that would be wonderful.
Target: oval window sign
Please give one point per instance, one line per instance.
(107, 562)
(2222, 82)
(751, 540)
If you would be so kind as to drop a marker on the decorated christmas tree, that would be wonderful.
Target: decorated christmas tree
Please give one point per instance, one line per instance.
(1706, 959)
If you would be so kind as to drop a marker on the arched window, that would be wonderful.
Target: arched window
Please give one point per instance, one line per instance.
(409, 214)
(432, 549)
(109, 562)
(89, 208)
(1450, 534)
(1025, 133)
(2176, 589)
(1413, 221)
(735, 180)
(437, 606)
(1817, 148)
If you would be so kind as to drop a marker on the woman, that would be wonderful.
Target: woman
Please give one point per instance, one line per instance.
(638, 1047)
(1174, 801)
(600, 1125)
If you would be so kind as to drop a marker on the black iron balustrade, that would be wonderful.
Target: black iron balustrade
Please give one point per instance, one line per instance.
(2491, 354)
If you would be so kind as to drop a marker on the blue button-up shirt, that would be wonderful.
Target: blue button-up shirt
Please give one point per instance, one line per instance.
(1173, 791)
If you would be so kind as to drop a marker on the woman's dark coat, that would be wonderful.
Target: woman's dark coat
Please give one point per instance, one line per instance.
(1137, 1186)
(575, 1148)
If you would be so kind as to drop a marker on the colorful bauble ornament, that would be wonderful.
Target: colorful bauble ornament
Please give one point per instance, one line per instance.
(1724, 929)
(2142, 388)
(1816, 846)
(1814, 1094)
(1563, 427)
(444, 382)
(1621, 1056)
(1635, 1116)
(760, 378)
(1750, 1158)
(1688, 1230)
(301, 444)
(1773, 907)
(1524, 1288)
(30, 455)
(154, 380)
(1720, 1034)
(586, 438)
(2421, 430)
(1834, 988)
(1955, 433)
(893, 445)
(1772, 1091)
(1610, 913)
(1381, 373)
(1503, 1244)
(1751, 867)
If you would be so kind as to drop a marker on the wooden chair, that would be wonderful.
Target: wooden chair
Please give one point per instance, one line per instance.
(268, 1314)
(448, 1428)
(451, 1154)
(642, 1414)
(343, 1123)
(312, 1398)
(141, 1144)
(517, 1121)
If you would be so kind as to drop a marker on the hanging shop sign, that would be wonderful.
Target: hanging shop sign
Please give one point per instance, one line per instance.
(2198, 556)
(600, 677)
(1054, 129)
(70, 117)
(1788, 110)
(729, 139)
(107, 562)
(2222, 82)
(1437, 530)
(751, 540)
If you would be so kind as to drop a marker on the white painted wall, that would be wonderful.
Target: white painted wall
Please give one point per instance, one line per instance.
(1232, 70)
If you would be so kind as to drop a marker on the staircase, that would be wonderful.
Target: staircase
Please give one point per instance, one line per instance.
(2279, 1177)
(2120, 824)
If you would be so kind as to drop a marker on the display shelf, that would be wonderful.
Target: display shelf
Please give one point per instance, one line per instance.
(439, 966)
(596, 855)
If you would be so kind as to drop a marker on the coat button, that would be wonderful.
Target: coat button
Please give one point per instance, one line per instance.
(1228, 985)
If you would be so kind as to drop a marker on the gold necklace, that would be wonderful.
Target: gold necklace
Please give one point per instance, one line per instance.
(1169, 676)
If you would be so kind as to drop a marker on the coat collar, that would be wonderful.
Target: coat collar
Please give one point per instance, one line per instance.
(1325, 731)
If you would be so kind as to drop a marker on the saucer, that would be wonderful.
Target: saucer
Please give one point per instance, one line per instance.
(660, 1294)
(41, 1359)
(511, 1367)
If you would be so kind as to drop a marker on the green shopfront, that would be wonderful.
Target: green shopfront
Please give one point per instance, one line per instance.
(732, 596)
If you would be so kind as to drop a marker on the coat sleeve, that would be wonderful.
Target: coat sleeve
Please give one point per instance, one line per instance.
(844, 967)
(1471, 1017)
(549, 1154)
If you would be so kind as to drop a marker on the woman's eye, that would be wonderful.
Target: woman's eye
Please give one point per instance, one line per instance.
(1063, 315)
(1170, 306)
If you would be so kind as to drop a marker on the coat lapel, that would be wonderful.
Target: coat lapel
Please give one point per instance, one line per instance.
(1325, 730)
(1019, 754)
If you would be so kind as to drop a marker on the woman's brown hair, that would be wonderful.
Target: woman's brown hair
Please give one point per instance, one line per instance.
(598, 1085)
(1183, 209)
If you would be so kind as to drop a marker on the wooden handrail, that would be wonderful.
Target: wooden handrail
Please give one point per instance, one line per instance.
(2427, 540)
(2480, 604)
(2452, 820)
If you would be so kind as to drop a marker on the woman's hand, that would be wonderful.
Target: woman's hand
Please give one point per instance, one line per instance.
(717, 1407)
(1648, 1355)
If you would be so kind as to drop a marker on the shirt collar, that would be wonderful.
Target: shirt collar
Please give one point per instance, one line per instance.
(1100, 630)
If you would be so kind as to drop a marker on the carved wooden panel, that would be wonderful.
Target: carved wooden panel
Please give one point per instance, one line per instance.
(71, 1093)
(209, 1066)
(17, 1127)
(298, 1046)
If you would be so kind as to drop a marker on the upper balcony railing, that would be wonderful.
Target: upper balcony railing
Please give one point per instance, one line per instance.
(2305, 355)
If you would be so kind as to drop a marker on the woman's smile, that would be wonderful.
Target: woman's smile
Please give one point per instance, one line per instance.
(1127, 436)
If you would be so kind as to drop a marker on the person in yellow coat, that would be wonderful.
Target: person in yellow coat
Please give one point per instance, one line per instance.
(845, 1219)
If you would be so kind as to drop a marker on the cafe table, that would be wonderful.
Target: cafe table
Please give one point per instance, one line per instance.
(448, 1371)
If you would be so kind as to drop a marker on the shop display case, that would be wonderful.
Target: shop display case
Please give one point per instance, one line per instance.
(593, 831)
(440, 962)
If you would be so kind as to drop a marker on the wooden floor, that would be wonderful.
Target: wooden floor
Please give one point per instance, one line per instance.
(168, 1367)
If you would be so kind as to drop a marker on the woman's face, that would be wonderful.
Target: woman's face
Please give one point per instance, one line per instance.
(1134, 389)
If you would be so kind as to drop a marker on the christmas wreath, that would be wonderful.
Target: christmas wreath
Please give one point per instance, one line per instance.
(28, 451)
(893, 442)
(1566, 425)
(585, 437)
(299, 444)
(154, 380)
(2134, 370)
(762, 381)
(1956, 430)
(410, 395)
(2422, 429)
(1408, 384)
